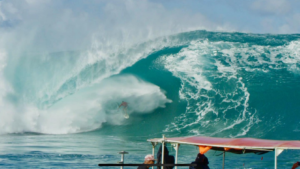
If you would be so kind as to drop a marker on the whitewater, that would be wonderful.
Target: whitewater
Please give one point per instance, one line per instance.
(216, 72)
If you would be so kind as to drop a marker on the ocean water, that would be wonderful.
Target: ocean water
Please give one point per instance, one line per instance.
(59, 110)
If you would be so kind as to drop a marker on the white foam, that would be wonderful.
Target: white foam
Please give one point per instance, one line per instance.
(87, 109)
(198, 64)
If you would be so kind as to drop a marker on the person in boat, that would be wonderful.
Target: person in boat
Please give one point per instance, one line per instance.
(149, 159)
(297, 164)
(201, 161)
(168, 159)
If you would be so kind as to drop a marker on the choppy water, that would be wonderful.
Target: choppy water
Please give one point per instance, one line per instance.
(60, 109)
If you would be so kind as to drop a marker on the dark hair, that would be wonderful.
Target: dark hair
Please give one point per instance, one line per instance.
(202, 159)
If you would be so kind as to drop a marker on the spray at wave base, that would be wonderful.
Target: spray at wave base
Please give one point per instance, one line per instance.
(87, 109)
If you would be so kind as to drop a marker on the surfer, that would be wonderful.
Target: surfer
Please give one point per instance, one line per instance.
(124, 104)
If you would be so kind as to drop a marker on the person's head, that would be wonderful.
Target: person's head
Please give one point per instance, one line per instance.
(199, 157)
(149, 159)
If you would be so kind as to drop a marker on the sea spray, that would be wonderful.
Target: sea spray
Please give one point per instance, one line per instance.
(88, 108)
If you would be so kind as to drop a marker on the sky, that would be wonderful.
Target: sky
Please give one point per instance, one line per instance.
(256, 16)
(53, 25)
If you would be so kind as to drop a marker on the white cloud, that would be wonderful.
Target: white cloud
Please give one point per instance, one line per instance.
(36, 1)
(2, 16)
(271, 6)
(292, 24)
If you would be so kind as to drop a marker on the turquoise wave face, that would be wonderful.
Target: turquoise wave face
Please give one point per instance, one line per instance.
(227, 85)
(195, 83)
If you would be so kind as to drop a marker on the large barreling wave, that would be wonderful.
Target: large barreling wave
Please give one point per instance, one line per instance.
(69, 92)
(230, 84)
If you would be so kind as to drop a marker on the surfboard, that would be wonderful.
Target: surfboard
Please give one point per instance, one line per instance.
(126, 116)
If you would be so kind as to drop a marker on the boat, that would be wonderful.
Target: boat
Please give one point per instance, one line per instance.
(233, 145)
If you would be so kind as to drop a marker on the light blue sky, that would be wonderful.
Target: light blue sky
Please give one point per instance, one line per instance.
(258, 16)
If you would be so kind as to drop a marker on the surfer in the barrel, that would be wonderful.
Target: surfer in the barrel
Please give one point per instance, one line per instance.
(124, 104)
